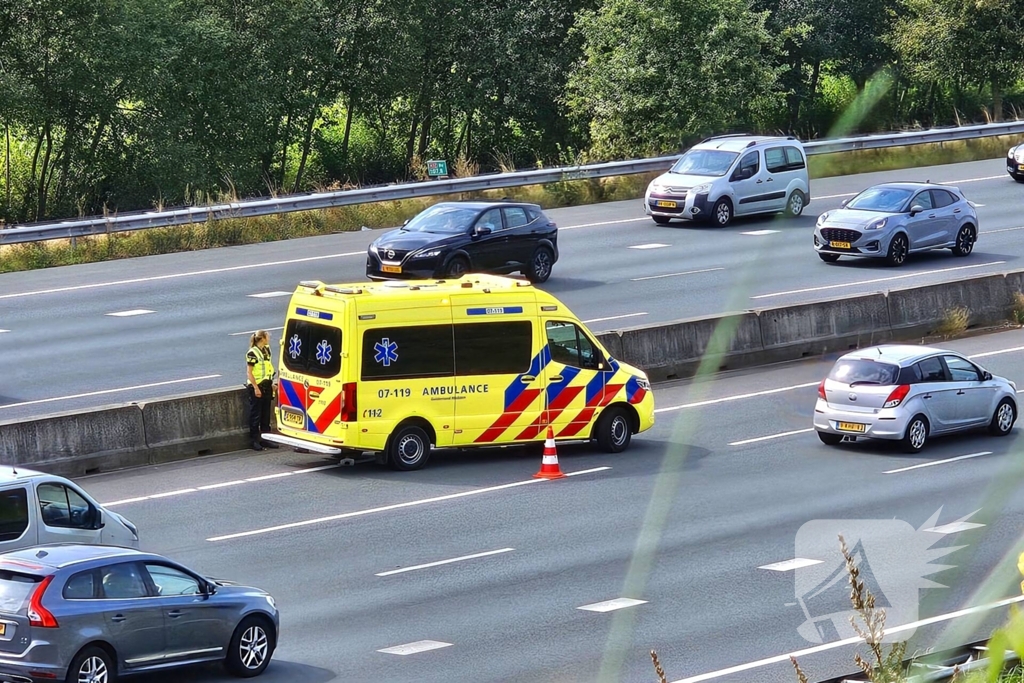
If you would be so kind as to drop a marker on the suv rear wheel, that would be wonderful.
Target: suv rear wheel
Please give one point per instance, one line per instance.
(795, 205)
(92, 664)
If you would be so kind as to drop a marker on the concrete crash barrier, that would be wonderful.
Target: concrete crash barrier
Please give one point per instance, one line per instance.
(192, 425)
(76, 443)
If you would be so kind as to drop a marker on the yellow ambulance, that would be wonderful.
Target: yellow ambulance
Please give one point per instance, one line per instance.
(398, 368)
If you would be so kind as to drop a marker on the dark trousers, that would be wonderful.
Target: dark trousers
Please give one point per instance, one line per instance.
(260, 409)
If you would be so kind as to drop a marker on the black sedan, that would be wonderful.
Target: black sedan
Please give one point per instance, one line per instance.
(451, 239)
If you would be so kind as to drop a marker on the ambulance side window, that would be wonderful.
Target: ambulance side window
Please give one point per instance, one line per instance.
(498, 348)
(408, 352)
(570, 346)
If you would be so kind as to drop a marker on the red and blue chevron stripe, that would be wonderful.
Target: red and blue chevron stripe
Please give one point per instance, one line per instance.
(289, 396)
(518, 396)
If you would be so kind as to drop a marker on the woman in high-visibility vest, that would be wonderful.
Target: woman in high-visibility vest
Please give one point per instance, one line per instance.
(260, 385)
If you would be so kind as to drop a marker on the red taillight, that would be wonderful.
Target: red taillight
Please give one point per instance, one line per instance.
(821, 390)
(349, 410)
(37, 614)
(897, 396)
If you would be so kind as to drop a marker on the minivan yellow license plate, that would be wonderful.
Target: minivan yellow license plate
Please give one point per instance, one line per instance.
(839, 245)
(852, 427)
(392, 269)
(667, 205)
(293, 418)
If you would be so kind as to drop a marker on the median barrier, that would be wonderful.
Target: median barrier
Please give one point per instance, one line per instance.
(201, 423)
(917, 312)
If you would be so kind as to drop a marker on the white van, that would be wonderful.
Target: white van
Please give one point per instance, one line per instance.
(38, 508)
(732, 175)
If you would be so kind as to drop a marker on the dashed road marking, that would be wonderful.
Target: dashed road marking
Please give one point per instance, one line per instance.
(611, 605)
(652, 245)
(415, 648)
(954, 527)
(268, 329)
(133, 312)
(938, 462)
(108, 391)
(685, 272)
(270, 295)
(790, 565)
(2, 331)
(770, 437)
(736, 397)
(760, 232)
(442, 562)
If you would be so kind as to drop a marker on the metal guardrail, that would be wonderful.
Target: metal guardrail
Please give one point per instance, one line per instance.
(939, 667)
(142, 220)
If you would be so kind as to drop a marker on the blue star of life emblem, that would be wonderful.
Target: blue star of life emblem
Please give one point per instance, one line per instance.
(387, 352)
(323, 352)
(294, 346)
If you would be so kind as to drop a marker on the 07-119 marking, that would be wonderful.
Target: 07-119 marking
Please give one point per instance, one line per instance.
(394, 393)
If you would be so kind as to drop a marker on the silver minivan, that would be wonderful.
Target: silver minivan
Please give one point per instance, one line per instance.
(38, 508)
(732, 175)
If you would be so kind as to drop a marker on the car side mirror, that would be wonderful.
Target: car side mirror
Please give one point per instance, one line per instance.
(482, 230)
(843, 203)
(97, 519)
(406, 222)
(986, 376)
(916, 209)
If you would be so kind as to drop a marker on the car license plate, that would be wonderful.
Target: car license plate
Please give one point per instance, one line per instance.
(392, 269)
(293, 418)
(667, 205)
(839, 245)
(852, 427)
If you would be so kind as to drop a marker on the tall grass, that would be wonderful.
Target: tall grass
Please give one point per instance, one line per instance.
(569, 192)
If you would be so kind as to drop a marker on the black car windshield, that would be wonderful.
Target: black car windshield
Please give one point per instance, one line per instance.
(709, 162)
(864, 372)
(887, 199)
(443, 218)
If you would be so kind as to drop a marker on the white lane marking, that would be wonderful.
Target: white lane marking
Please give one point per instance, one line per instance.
(938, 462)
(978, 206)
(997, 353)
(760, 232)
(438, 564)
(268, 329)
(2, 331)
(614, 317)
(971, 180)
(687, 272)
(837, 196)
(171, 276)
(594, 225)
(878, 279)
(108, 391)
(269, 295)
(652, 245)
(1019, 227)
(737, 397)
(235, 482)
(954, 527)
(396, 506)
(128, 314)
(855, 640)
(790, 565)
(610, 605)
(770, 437)
(414, 648)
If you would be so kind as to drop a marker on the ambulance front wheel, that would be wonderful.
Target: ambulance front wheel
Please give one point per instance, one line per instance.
(408, 448)
(614, 431)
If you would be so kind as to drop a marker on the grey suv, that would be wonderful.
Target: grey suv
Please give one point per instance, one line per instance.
(87, 614)
(892, 220)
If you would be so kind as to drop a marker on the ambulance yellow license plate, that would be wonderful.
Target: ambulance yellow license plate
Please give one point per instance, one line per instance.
(667, 205)
(852, 427)
(293, 419)
(392, 269)
(839, 245)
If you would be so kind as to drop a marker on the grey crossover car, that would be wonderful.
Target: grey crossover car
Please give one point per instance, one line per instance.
(87, 614)
(892, 220)
(908, 394)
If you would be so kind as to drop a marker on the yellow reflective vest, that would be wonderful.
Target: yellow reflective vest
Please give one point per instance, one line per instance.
(263, 369)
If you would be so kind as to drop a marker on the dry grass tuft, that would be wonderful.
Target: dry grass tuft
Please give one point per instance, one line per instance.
(954, 322)
(1018, 308)
(657, 668)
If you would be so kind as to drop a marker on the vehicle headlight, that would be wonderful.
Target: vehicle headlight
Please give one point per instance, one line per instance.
(822, 218)
(270, 599)
(373, 248)
(657, 187)
(1019, 155)
(433, 253)
(878, 225)
(701, 189)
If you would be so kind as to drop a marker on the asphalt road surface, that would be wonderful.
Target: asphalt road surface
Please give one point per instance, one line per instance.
(120, 331)
(692, 521)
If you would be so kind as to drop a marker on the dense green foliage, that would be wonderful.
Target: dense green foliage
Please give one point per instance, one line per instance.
(119, 105)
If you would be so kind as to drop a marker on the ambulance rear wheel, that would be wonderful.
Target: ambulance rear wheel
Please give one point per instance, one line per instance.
(409, 448)
(613, 431)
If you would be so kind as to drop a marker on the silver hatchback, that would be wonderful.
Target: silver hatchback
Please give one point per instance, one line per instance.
(892, 220)
(908, 394)
(87, 614)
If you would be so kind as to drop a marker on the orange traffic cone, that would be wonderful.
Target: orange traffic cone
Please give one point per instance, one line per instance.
(549, 468)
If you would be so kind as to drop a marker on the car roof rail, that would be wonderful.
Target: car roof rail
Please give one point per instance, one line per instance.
(721, 137)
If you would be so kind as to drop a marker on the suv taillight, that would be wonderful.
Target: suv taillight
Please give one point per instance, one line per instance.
(38, 615)
(897, 396)
(821, 390)
(349, 410)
